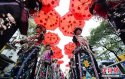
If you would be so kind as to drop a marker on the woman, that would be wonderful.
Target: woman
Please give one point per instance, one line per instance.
(83, 57)
(39, 36)
(46, 59)
(40, 30)
(78, 39)
(47, 55)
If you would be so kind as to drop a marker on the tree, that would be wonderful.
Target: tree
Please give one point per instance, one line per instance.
(106, 38)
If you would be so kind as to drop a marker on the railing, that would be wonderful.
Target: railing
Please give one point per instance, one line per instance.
(116, 63)
(115, 71)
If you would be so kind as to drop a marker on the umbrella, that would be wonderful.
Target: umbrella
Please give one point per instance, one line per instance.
(50, 19)
(52, 3)
(60, 62)
(69, 48)
(57, 56)
(80, 9)
(68, 23)
(51, 38)
(57, 52)
(67, 65)
(70, 56)
(46, 8)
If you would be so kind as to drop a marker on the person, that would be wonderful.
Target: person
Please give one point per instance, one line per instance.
(33, 6)
(54, 65)
(47, 60)
(78, 39)
(39, 36)
(47, 55)
(35, 39)
(83, 55)
(72, 74)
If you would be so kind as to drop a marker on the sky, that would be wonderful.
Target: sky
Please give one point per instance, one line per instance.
(62, 9)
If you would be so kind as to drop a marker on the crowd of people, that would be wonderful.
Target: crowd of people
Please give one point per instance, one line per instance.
(49, 68)
(28, 54)
(81, 63)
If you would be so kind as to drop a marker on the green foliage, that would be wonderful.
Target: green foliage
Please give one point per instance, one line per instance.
(100, 32)
(105, 37)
